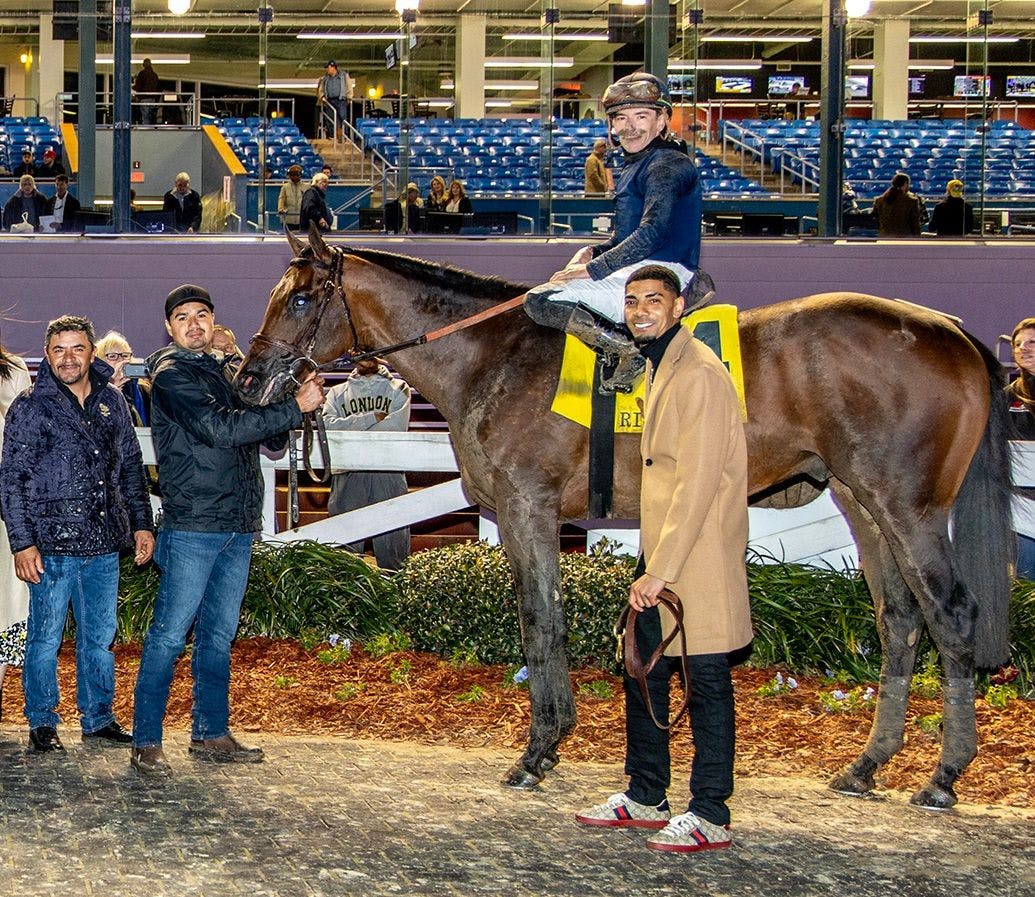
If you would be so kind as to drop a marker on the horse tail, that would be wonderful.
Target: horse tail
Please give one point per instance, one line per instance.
(983, 536)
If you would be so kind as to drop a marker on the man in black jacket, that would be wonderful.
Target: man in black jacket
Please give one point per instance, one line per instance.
(314, 205)
(184, 203)
(207, 443)
(73, 494)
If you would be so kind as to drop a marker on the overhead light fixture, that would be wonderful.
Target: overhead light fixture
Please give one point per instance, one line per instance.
(756, 38)
(160, 58)
(449, 84)
(729, 65)
(540, 36)
(402, 6)
(951, 39)
(442, 103)
(289, 83)
(868, 64)
(179, 7)
(855, 9)
(168, 35)
(498, 104)
(931, 65)
(634, 2)
(350, 35)
(528, 62)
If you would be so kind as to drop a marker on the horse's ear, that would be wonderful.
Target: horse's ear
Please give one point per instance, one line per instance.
(322, 250)
(296, 245)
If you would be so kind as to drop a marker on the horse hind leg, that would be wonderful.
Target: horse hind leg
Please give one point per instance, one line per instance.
(531, 538)
(899, 623)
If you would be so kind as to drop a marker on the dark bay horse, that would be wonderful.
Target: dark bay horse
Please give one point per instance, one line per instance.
(894, 407)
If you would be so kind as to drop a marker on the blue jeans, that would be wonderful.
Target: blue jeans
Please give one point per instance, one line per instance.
(204, 576)
(92, 585)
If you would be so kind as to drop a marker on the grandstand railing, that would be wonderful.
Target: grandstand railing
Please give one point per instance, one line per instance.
(10, 106)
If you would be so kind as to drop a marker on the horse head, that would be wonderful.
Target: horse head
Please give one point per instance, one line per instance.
(306, 324)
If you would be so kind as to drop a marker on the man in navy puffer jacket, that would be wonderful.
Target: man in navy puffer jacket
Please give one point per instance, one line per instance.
(73, 494)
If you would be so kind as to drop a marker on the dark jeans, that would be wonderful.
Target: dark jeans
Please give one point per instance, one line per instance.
(359, 488)
(647, 759)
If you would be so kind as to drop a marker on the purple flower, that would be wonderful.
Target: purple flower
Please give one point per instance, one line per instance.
(838, 695)
(521, 675)
(334, 639)
(792, 683)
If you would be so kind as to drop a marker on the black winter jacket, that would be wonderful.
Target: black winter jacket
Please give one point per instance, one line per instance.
(207, 444)
(72, 480)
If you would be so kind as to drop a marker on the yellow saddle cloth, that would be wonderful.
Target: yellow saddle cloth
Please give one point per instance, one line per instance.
(714, 325)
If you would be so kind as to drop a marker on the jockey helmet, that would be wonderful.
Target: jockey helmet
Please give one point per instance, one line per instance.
(640, 89)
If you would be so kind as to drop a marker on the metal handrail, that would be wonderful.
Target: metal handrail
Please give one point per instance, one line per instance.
(7, 105)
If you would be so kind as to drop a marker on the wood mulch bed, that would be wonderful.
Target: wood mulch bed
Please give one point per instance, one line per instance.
(277, 686)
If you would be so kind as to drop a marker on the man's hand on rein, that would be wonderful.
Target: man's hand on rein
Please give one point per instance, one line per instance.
(310, 394)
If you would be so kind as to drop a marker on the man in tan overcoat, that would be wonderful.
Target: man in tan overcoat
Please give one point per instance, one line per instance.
(693, 534)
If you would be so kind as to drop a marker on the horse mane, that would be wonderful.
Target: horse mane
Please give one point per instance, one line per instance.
(445, 277)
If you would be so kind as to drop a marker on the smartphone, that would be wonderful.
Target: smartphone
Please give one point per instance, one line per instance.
(134, 371)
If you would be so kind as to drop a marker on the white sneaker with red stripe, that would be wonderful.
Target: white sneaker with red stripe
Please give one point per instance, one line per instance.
(688, 833)
(619, 811)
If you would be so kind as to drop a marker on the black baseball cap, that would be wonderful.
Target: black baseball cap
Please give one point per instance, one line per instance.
(330, 62)
(187, 293)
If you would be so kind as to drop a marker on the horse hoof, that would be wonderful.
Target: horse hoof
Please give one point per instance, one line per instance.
(519, 777)
(851, 784)
(934, 797)
(550, 761)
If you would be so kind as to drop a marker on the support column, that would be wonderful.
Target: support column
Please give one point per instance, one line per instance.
(831, 135)
(891, 69)
(50, 64)
(87, 105)
(120, 153)
(469, 74)
(655, 38)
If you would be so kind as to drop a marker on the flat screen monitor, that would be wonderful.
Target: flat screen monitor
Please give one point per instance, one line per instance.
(154, 222)
(916, 85)
(857, 87)
(787, 85)
(681, 85)
(733, 84)
(1020, 85)
(970, 85)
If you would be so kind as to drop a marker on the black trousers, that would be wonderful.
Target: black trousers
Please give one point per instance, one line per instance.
(712, 724)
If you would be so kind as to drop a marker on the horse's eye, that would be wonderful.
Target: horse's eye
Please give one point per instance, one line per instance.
(299, 300)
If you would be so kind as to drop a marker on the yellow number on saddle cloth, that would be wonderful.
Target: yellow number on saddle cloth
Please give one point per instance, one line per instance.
(714, 325)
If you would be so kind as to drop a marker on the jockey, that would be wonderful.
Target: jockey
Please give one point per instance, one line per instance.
(657, 220)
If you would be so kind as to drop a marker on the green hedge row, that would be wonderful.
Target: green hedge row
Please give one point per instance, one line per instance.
(461, 599)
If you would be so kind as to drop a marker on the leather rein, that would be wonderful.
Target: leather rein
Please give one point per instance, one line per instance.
(625, 632)
(300, 353)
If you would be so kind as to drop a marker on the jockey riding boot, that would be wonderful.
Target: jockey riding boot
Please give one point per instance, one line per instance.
(603, 336)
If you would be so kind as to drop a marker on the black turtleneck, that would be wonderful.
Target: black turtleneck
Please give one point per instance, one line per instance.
(654, 351)
(659, 142)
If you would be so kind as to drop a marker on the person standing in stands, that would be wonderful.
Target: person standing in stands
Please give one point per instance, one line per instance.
(1021, 424)
(146, 87)
(335, 89)
(657, 218)
(437, 197)
(289, 202)
(184, 203)
(26, 166)
(14, 594)
(50, 168)
(62, 206)
(314, 205)
(596, 171)
(25, 201)
(458, 201)
(953, 216)
(73, 495)
(413, 209)
(370, 399)
(897, 210)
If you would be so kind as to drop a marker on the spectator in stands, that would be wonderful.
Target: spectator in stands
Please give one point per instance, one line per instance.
(370, 399)
(596, 171)
(114, 348)
(62, 206)
(657, 220)
(27, 166)
(335, 89)
(50, 168)
(953, 216)
(185, 204)
(897, 209)
(314, 205)
(849, 201)
(437, 198)
(146, 87)
(1022, 426)
(73, 495)
(413, 209)
(289, 202)
(14, 594)
(458, 201)
(327, 170)
(26, 204)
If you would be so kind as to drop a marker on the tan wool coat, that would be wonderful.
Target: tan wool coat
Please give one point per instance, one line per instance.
(693, 498)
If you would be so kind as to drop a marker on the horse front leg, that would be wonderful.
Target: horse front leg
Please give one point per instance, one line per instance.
(531, 537)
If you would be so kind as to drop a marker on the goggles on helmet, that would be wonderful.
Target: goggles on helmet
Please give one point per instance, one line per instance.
(645, 90)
